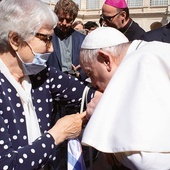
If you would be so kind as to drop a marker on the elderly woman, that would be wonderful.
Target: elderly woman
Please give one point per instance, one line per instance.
(28, 88)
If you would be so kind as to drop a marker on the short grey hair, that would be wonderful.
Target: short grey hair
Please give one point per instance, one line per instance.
(91, 54)
(24, 17)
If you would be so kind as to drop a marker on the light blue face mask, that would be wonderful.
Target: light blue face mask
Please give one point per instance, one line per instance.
(37, 65)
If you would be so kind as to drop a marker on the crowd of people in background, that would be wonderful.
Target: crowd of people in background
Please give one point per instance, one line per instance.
(47, 58)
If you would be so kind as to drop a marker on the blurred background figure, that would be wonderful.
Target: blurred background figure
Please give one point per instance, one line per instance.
(79, 26)
(160, 34)
(155, 25)
(90, 26)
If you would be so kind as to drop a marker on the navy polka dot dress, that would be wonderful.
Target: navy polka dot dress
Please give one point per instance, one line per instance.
(48, 87)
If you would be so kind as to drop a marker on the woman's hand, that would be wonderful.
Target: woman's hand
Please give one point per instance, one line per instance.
(67, 127)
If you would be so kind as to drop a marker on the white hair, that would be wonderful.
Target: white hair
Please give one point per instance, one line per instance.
(24, 17)
(91, 54)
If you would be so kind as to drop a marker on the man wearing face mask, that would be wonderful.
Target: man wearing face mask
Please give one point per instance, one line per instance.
(115, 13)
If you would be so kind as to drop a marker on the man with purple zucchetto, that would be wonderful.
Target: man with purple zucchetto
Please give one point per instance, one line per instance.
(115, 13)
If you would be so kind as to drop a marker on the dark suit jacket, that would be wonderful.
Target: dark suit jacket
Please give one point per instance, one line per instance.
(132, 30)
(55, 57)
(161, 34)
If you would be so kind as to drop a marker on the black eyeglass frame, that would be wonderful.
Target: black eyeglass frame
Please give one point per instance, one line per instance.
(46, 38)
(109, 18)
(68, 20)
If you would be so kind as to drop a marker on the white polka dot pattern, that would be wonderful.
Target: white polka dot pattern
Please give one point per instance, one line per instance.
(47, 87)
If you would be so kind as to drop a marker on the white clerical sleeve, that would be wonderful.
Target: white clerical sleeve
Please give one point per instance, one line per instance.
(134, 111)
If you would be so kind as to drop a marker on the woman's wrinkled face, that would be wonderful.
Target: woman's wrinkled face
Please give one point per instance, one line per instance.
(40, 43)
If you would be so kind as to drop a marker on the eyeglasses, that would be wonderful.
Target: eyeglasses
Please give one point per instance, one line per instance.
(68, 20)
(46, 38)
(109, 18)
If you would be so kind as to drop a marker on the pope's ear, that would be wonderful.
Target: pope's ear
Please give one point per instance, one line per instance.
(105, 58)
(14, 40)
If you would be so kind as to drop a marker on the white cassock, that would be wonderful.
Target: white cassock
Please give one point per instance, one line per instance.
(133, 115)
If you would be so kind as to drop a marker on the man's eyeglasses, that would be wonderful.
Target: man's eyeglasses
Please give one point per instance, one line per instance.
(109, 18)
(68, 20)
(46, 38)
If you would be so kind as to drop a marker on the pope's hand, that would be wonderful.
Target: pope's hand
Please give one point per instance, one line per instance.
(92, 104)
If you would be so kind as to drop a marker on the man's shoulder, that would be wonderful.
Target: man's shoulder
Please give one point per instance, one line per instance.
(137, 26)
(156, 34)
(134, 31)
(77, 33)
(78, 37)
(158, 30)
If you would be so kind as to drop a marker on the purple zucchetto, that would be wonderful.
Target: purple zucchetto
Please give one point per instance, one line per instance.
(117, 3)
